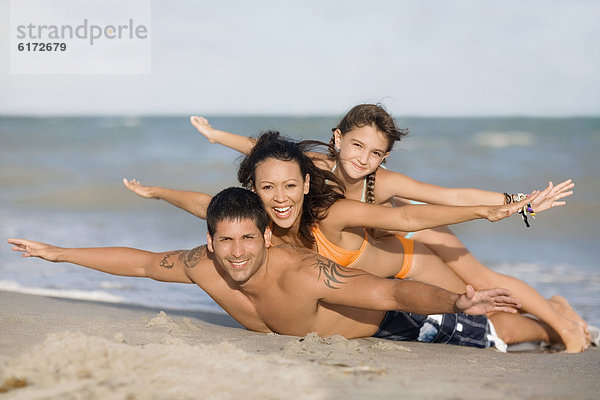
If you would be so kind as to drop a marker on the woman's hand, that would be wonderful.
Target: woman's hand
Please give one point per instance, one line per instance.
(137, 188)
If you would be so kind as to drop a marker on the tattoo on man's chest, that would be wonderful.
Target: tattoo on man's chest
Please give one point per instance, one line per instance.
(333, 274)
(189, 258)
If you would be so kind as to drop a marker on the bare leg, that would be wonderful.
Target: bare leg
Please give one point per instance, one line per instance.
(451, 250)
(425, 266)
(429, 268)
(515, 328)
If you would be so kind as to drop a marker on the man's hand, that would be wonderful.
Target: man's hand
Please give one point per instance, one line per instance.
(30, 248)
(202, 125)
(137, 188)
(485, 301)
(549, 197)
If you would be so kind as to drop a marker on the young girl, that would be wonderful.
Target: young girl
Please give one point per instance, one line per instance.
(308, 212)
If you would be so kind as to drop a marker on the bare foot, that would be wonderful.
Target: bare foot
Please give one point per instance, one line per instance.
(561, 305)
(574, 339)
(576, 335)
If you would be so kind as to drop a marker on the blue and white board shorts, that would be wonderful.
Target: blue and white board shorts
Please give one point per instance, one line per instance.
(457, 329)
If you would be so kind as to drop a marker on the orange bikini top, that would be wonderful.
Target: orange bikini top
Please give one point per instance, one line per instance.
(335, 253)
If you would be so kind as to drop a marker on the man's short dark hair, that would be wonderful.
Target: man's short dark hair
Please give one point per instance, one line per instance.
(235, 204)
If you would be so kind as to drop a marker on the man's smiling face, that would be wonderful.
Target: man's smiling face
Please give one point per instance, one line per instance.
(239, 247)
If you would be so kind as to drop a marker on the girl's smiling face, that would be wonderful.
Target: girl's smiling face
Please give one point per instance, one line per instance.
(361, 151)
(281, 187)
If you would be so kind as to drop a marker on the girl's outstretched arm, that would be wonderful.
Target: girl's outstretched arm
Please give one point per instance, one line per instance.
(195, 203)
(390, 183)
(239, 143)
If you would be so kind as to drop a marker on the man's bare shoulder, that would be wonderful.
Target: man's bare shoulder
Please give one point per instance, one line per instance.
(290, 253)
(188, 258)
(310, 273)
(197, 262)
(294, 268)
(293, 259)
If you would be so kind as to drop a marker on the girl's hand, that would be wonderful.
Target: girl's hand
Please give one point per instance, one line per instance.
(496, 213)
(202, 125)
(549, 197)
(137, 188)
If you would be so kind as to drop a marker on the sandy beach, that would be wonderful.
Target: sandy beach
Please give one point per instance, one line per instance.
(69, 349)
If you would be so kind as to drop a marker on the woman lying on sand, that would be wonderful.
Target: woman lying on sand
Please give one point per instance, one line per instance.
(304, 205)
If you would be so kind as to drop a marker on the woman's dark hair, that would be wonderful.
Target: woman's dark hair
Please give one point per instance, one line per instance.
(234, 204)
(325, 187)
(369, 115)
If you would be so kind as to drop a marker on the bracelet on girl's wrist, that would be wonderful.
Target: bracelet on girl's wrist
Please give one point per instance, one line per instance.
(517, 197)
(513, 198)
(525, 211)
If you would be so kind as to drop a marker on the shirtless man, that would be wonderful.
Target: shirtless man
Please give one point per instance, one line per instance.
(289, 291)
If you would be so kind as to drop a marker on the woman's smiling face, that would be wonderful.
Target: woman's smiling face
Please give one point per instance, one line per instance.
(281, 187)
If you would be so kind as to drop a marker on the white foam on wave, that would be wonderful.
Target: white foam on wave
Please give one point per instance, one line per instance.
(142, 297)
(498, 140)
(115, 285)
(538, 273)
(94, 295)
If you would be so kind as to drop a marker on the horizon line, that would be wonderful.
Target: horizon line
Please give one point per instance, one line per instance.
(284, 115)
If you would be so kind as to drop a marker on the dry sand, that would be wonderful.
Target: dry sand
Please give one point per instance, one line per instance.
(67, 349)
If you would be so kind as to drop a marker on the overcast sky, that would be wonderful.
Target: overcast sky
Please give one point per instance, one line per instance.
(447, 57)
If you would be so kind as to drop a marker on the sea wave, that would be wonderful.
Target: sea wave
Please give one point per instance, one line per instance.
(499, 140)
(94, 295)
(551, 274)
(142, 295)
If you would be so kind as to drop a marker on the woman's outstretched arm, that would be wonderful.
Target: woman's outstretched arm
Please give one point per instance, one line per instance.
(350, 213)
(193, 202)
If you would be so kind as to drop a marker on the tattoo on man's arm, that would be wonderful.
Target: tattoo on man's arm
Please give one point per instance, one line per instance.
(165, 263)
(333, 274)
(189, 258)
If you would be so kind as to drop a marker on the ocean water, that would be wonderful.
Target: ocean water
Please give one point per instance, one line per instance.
(61, 178)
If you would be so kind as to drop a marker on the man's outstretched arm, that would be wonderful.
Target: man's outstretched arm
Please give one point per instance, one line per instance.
(335, 284)
(168, 266)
